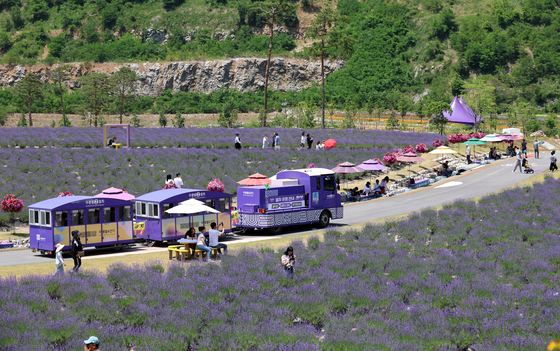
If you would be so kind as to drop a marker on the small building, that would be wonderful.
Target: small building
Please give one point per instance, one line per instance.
(102, 222)
(162, 226)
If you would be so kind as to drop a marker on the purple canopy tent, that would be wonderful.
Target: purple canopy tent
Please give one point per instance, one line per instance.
(461, 113)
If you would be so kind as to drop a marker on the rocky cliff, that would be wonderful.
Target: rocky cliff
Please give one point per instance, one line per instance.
(243, 74)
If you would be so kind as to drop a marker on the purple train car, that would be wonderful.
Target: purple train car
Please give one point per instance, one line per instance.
(102, 221)
(300, 196)
(162, 226)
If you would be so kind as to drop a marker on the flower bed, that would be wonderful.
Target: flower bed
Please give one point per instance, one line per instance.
(479, 276)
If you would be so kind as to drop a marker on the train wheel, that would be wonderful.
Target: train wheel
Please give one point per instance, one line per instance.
(244, 230)
(324, 219)
(276, 230)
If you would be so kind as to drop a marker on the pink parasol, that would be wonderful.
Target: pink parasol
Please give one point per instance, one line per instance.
(410, 158)
(372, 165)
(347, 167)
(115, 193)
(509, 137)
(255, 179)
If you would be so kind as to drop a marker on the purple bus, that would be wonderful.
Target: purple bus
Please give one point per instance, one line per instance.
(103, 222)
(300, 196)
(162, 226)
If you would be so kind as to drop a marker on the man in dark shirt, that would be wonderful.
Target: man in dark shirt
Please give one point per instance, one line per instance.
(524, 147)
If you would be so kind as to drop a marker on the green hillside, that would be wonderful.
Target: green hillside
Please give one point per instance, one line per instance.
(498, 53)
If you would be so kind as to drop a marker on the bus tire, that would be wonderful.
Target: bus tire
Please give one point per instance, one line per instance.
(244, 230)
(275, 230)
(324, 219)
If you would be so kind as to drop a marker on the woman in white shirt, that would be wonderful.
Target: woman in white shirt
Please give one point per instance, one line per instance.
(201, 242)
(265, 142)
(303, 140)
(367, 189)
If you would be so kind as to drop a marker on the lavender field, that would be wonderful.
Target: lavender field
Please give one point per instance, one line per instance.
(77, 163)
(471, 276)
(205, 137)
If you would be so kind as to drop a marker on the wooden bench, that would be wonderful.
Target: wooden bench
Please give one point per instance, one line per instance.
(179, 251)
(199, 254)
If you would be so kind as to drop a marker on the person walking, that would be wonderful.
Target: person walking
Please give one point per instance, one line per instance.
(265, 142)
(309, 141)
(536, 148)
(77, 250)
(201, 243)
(553, 161)
(237, 141)
(288, 261)
(91, 344)
(214, 235)
(59, 260)
(469, 155)
(518, 162)
(303, 140)
(178, 181)
(276, 141)
(524, 147)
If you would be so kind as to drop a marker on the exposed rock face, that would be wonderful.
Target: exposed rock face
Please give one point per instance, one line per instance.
(243, 74)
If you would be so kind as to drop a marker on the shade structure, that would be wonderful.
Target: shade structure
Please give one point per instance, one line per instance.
(330, 143)
(410, 158)
(116, 193)
(347, 167)
(474, 141)
(254, 180)
(491, 138)
(372, 165)
(461, 113)
(442, 150)
(509, 137)
(191, 206)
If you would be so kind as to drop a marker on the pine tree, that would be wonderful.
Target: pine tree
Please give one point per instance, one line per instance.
(29, 89)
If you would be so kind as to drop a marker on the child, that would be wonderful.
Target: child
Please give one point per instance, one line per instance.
(59, 260)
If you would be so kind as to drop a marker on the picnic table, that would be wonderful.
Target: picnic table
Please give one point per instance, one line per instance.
(187, 248)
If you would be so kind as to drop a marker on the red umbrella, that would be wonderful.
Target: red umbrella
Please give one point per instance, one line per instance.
(329, 144)
(255, 179)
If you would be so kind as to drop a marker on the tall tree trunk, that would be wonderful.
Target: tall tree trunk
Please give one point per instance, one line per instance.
(122, 99)
(29, 104)
(62, 103)
(267, 70)
(95, 115)
(323, 83)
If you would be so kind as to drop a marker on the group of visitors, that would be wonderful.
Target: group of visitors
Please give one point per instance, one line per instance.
(213, 239)
(378, 189)
(493, 154)
(275, 141)
(177, 181)
(77, 252)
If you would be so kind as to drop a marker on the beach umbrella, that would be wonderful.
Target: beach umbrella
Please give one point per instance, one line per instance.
(372, 165)
(116, 193)
(191, 206)
(410, 158)
(442, 150)
(474, 142)
(491, 138)
(330, 143)
(255, 179)
(508, 137)
(347, 168)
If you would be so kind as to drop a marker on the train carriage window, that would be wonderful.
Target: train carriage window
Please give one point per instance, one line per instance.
(318, 183)
(166, 207)
(36, 217)
(60, 219)
(211, 203)
(328, 183)
(77, 217)
(47, 218)
(124, 213)
(109, 215)
(93, 216)
(223, 204)
(155, 210)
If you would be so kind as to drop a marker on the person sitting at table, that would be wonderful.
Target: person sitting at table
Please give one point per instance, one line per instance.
(383, 185)
(190, 234)
(495, 154)
(446, 170)
(214, 234)
(377, 188)
(201, 243)
(354, 194)
(112, 142)
(367, 189)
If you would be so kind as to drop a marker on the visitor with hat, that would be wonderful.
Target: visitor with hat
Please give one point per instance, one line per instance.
(91, 344)
(77, 250)
(59, 261)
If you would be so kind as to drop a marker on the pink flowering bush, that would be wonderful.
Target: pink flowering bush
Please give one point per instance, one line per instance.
(216, 185)
(437, 143)
(389, 158)
(64, 194)
(452, 138)
(408, 149)
(421, 148)
(11, 204)
(478, 135)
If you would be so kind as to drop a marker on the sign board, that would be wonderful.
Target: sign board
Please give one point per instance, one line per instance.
(286, 202)
(140, 228)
